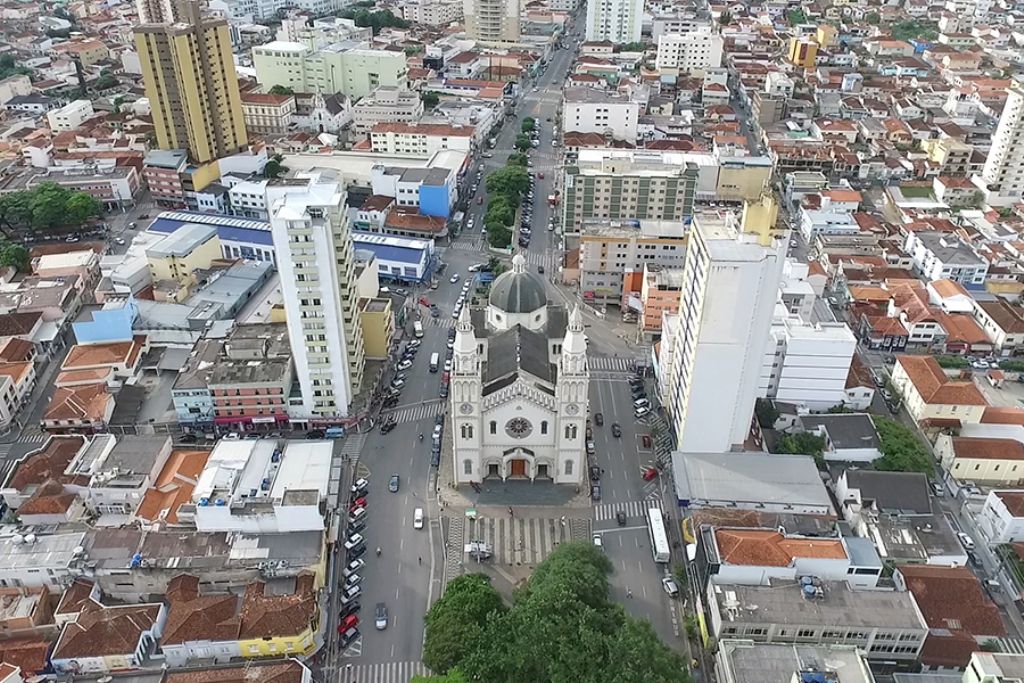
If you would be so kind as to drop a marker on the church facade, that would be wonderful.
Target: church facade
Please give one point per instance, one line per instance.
(519, 386)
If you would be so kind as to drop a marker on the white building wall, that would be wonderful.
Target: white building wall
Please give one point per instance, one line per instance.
(307, 261)
(1003, 174)
(997, 523)
(70, 116)
(620, 118)
(730, 287)
(816, 362)
(619, 21)
(690, 52)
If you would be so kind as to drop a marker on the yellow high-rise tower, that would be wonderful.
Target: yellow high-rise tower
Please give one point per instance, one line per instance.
(190, 80)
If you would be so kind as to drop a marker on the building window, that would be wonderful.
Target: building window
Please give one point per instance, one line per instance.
(494, 427)
(467, 466)
(467, 431)
(544, 427)
(568, 468)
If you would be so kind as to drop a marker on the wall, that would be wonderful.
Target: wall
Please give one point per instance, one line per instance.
(181, 268)
(434, 201)
(378, 330)
(997, 523)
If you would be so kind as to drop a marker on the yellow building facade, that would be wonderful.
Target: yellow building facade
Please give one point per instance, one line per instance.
(378, 321)
(190, 80)
(182, 252)
(803, 52)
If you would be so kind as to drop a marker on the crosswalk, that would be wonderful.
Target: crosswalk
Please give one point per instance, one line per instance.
(466, 245)
(385, 672)
(636, 510)
(520, 541)
(1011, 645)
(611, 364)
(414, 413)
(5, 469)
(33, 434)
(444, 322)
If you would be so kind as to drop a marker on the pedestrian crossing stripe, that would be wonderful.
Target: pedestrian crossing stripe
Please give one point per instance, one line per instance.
(384, 672)
(1010, 645)
(523, 541)
(611, 364)
(36, 437)
(415, 413)
(634, 509)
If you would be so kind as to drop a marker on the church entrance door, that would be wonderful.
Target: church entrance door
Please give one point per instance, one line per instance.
(518, 468)
(492, 471)
(542, 472)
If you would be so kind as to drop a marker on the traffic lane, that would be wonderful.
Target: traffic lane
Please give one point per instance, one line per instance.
(624, 458)
(397, 578)
(636, 578)
(611, 456)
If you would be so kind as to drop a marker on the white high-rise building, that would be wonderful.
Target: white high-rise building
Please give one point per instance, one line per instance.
(689, 53)
(619, 21)
(316, 264)
(717, 342)
(1002, 178)
(492, 21)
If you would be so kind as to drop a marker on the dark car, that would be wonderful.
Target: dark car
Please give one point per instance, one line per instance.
(350, 608)
(599, 419)
(388, 426)
(346, 638)
(974, 560)
(616, 429)
(356, 552)
(188, 438)
(356, 527)
(595, 473)
(435, 458)
(636, 382)
(620, 518)
(315, 434)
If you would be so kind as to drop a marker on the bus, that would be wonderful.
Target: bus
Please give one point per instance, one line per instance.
(659, 539)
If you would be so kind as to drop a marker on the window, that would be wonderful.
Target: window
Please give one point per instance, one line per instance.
(467, 466)
(544, 427)
(467, 431)
(568, 468)
(494, 427)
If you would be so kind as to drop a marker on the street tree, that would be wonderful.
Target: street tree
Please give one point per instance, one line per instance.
(902, 450)
(522, 142)
(529, 123)
(511, 182)
(456, 621)
(563, 626)
(14, 255)
(80, 207)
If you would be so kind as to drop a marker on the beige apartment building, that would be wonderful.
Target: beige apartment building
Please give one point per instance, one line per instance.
(614, 255)
(190, 80)
(627, 188)
(386, 104)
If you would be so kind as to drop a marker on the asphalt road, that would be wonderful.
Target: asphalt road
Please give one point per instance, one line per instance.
(623, 488)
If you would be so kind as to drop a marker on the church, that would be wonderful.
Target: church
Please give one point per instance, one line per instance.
(519, 386)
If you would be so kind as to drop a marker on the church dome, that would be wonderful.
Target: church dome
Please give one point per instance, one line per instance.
(518, 291)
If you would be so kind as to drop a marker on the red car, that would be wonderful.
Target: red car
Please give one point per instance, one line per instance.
(357, 503)
(424, 301)
(351, 621)
(540, 175)
(650, 473)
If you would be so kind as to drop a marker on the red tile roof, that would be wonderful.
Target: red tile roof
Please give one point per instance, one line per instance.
(444, 129)
(1003, 415)
(173, 487)
(49, 463)
(952, 599)
(987, 449)
(763, 548)
(105, 631)
(27, 653)
(1013, 500)
(276, 672)
(935, 387)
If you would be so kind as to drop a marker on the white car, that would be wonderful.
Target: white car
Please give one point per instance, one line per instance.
(598, 541)
(456, 313)
(448, 365)
(397, 383)
(353, 566)
(359, 486)
(965, 540)
(670, 586)
(454, 278)
(405, 365)
(474, 268)
(353, 541)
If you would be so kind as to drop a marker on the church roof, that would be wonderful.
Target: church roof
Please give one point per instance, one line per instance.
(518, 290)
(558, 322)
(515, 350)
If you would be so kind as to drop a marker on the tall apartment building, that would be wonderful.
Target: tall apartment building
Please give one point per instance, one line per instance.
(189, 74)
(492, 21)
(713, 348)
(158, 11)
(588, 110)
(315, 259)
(619, 21)
(633, 186)
(355, 72)
(1002, 178)
(689, 53)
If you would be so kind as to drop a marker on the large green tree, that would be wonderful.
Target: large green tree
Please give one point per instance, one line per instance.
(529, 123)
(281, 90)
(511, 182)
(80, 207)
(563, 627)
(13, 254)
(46, 206)
(456, 622)
(902, 450)
(522, 142)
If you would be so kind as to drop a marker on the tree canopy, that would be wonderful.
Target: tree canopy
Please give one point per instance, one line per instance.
(376, 20)
(802, 443)
(529, 123)
(46, 206)
(902, 450)
(430, 99)
(8, 67)
(13, 254)
(510, 182)
(562, 626)
(517, 159)
(522, 142)
(281, 90)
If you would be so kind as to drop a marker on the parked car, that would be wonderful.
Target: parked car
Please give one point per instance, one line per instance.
(595, 473)
(599, 419)
(670, 586)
